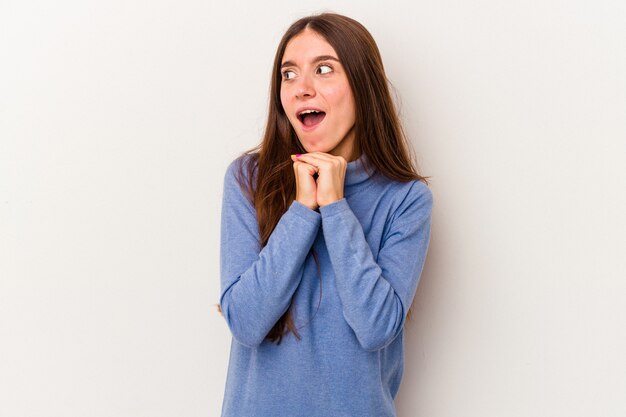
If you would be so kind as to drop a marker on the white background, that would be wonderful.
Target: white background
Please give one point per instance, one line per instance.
(119, 118)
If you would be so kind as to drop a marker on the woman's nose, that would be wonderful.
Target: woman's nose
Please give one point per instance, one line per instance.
(305, 88)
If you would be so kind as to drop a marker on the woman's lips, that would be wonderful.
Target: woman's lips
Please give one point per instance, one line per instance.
(313, 126)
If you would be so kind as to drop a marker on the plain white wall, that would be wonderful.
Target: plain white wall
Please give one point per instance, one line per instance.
(117, 122)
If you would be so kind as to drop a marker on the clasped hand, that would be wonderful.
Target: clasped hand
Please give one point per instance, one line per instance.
(331, 173)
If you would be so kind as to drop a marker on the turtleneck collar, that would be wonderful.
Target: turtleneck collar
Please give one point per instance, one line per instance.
(355, 172)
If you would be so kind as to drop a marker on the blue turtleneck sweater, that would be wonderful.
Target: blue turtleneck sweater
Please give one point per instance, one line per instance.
(371, 246)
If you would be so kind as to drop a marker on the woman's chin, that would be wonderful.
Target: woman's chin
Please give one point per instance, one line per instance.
(311, 143)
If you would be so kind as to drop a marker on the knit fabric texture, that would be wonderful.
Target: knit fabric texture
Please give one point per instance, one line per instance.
(371, 245)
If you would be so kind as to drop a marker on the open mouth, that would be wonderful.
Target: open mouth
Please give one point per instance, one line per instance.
(311, 118)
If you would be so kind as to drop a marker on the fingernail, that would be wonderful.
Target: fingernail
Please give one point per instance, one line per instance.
(298, 155)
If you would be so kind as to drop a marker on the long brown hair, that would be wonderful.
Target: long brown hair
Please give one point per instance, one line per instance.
(271, 185)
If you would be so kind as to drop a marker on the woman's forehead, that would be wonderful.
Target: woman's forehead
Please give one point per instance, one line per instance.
(306, 45)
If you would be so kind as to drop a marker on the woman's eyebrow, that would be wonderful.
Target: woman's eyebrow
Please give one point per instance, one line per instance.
(313, 61)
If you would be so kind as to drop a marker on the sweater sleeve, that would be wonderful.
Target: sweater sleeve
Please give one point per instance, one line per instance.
(257, 284)
(376, 294)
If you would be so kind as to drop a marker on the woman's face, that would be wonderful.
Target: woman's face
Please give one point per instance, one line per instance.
(313, 78)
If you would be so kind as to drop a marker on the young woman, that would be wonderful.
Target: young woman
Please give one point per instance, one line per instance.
(330, 200)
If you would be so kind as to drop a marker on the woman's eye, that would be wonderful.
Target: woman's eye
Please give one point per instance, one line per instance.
(286, 75)
(329, 69)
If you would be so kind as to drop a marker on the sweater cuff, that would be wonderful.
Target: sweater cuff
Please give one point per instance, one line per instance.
(305, 212)
(334, 208)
